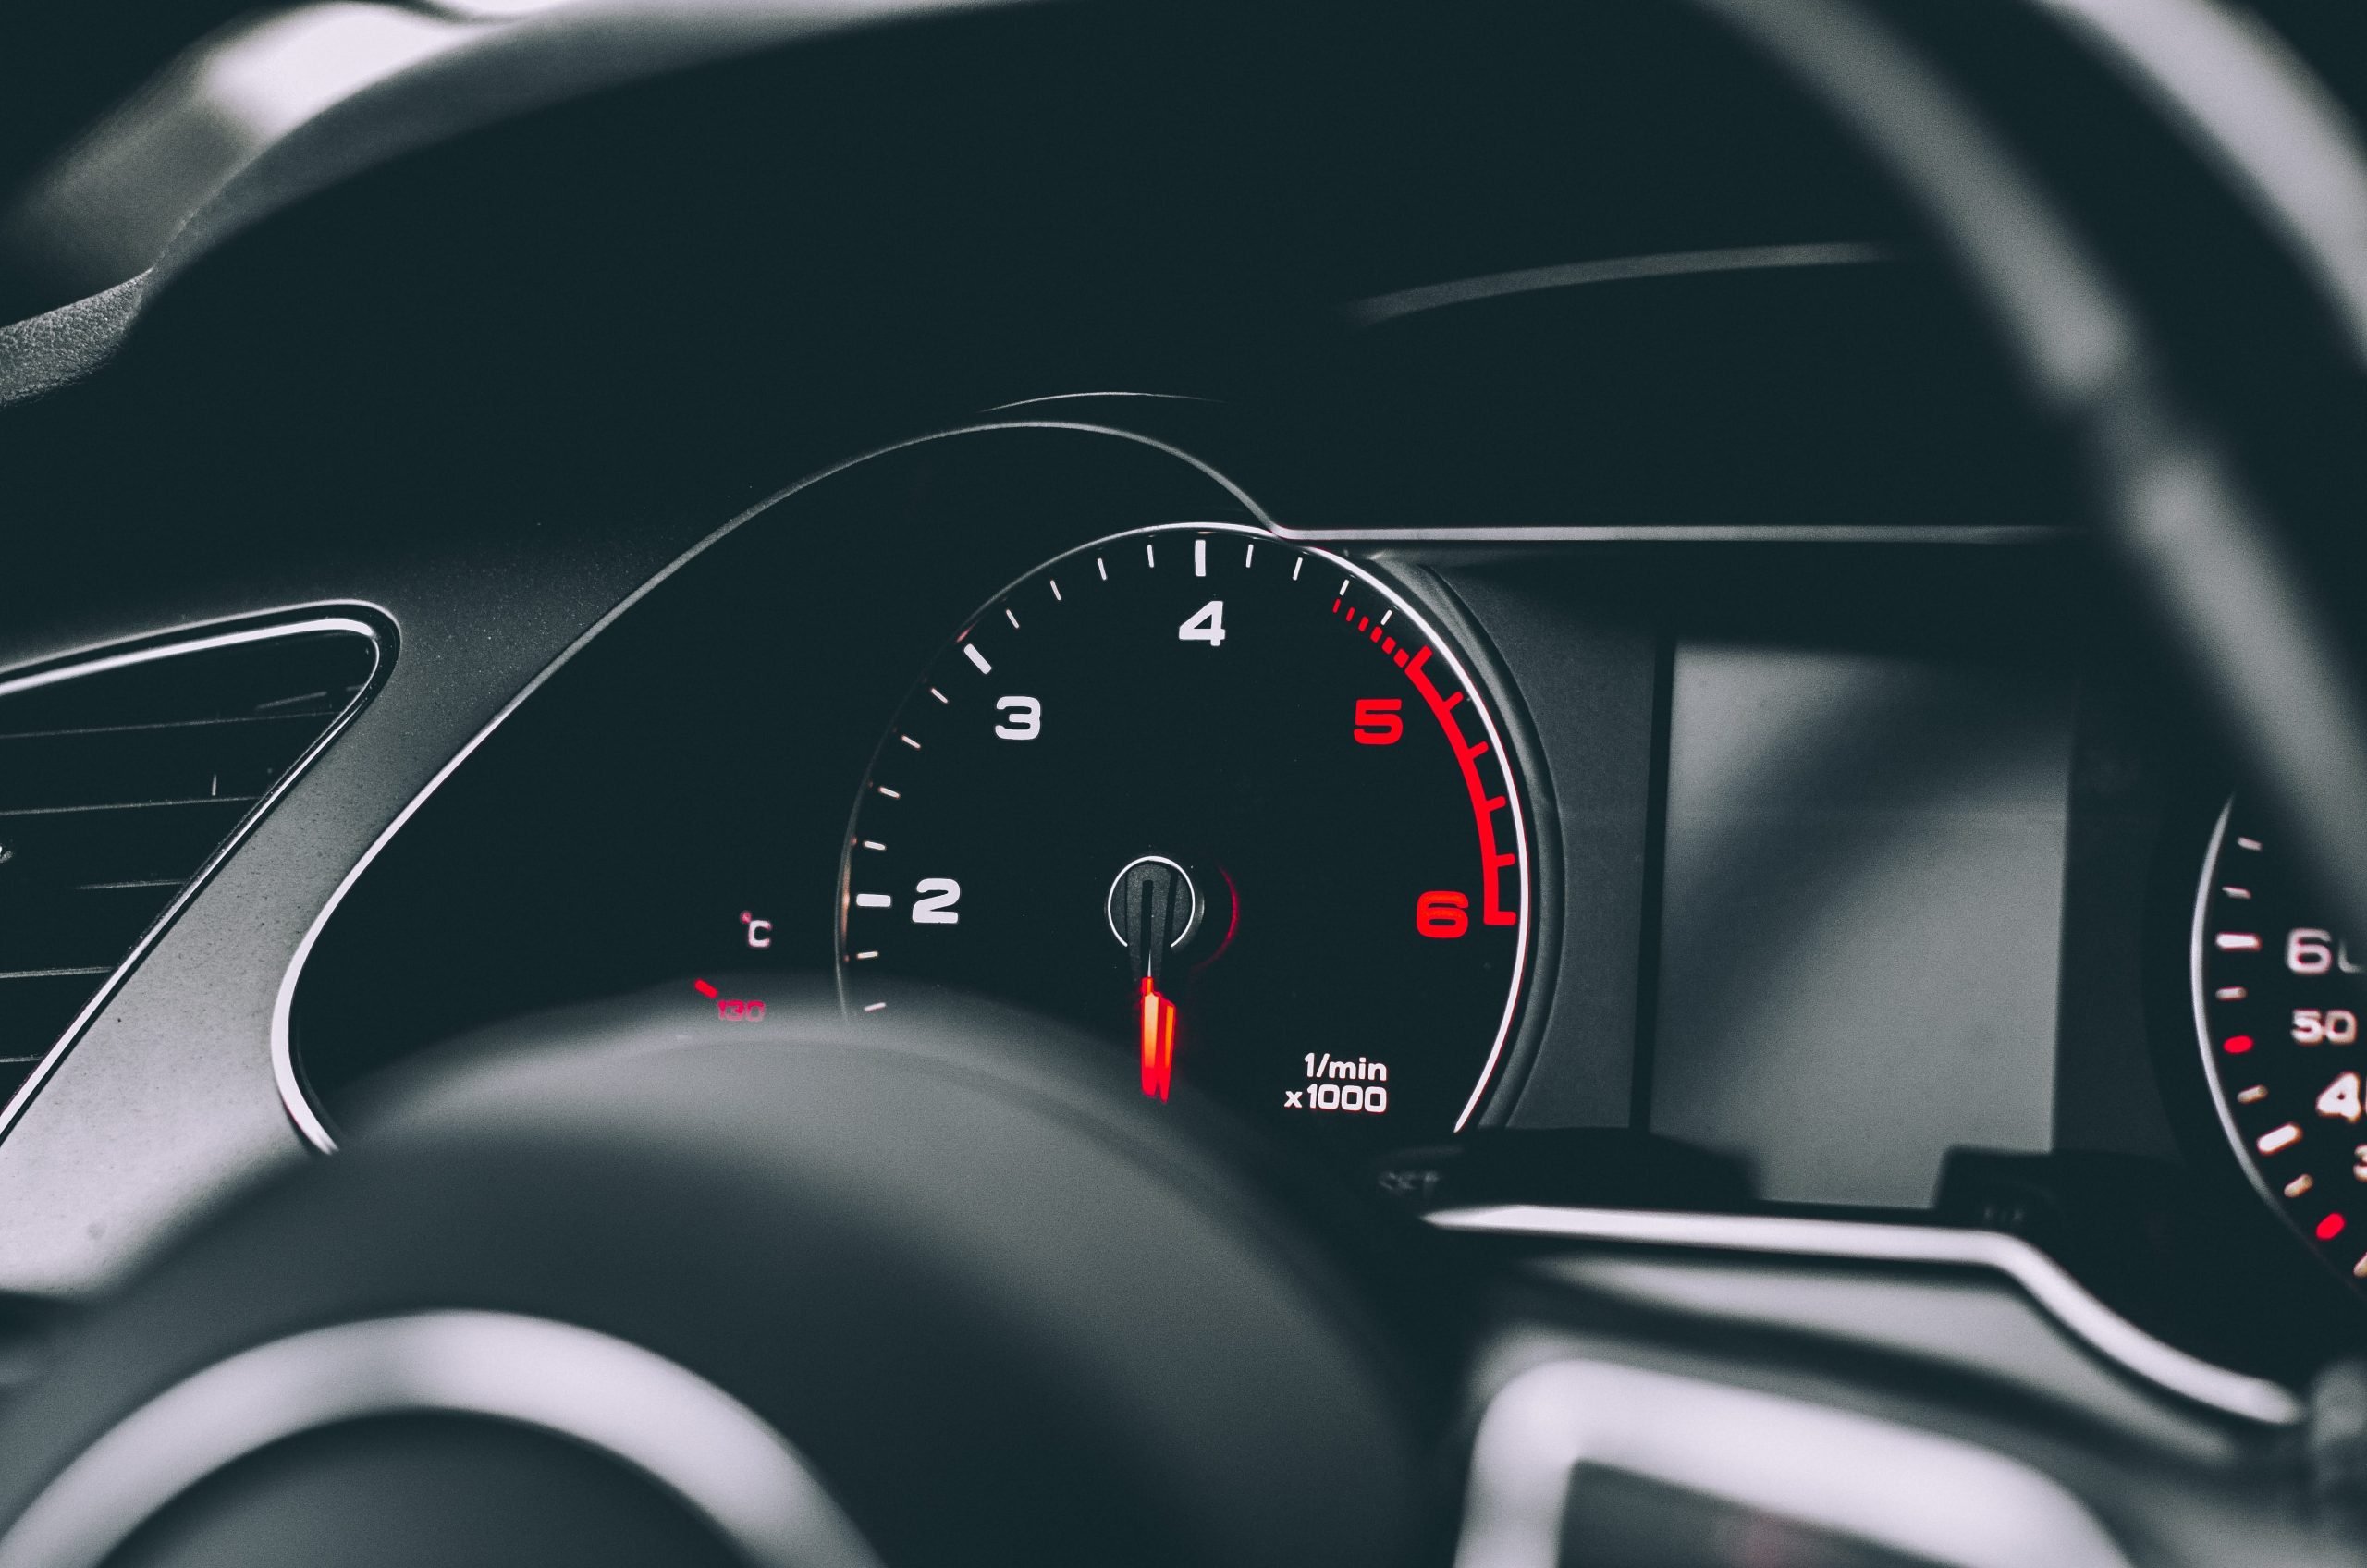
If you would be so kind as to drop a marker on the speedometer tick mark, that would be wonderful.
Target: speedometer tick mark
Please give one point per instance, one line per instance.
(2257, 1091)
(2298, 1185)
(1248, 554)
(977, 658)
(875, 1007)
(875, 844)
(2277, 1138)
(1104, 567)
(2236, 943)
(874, 901)
(886, 792)
(1012, 619)
(908, 741)
(941, 697)
(2248, 843)
(872, 954)
(1150, 553)
(1385, 615)
(1344, 586)
(1056, 588)
(1295, 566)
(1199, 558)
(2230, 993)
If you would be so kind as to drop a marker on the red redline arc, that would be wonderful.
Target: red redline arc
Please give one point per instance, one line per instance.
(1492, 860)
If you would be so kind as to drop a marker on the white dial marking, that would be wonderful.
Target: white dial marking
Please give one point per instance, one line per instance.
(977, 658)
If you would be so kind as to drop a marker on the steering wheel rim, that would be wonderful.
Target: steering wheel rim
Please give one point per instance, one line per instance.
(2230, 589)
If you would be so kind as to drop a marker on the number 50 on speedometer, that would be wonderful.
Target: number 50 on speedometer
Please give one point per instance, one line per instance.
(1231, 803)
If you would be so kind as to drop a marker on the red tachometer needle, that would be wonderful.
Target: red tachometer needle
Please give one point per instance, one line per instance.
(1159, 1040)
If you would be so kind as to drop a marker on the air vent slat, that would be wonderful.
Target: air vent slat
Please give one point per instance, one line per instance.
(121, 778)
(209, 758)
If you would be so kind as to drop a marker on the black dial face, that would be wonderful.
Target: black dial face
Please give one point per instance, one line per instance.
(2277, 1001)
(1231, 803)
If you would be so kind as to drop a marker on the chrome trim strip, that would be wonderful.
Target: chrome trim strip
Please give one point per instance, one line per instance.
(721, 1458)
(2087, 1320)
(1383, 307)
(292, 1098)
(1679, 533)
(1934, 1499)
(381, 646)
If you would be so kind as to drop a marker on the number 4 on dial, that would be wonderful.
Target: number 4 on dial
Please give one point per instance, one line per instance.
(1207, 625)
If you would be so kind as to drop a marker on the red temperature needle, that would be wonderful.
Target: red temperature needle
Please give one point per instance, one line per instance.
(1159, 1040)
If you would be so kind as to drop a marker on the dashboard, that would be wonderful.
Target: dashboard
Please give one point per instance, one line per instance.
(1519, 646)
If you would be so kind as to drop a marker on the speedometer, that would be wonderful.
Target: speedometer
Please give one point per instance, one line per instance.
(1234, 805)
(2277, 1003)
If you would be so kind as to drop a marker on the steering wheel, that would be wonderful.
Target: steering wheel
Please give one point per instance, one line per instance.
(609, 1297)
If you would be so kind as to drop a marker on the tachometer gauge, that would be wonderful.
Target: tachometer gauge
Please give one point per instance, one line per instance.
(1231, 804)
(2277, 1002)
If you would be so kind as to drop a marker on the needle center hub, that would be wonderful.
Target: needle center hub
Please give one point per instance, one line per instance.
(1153, 908)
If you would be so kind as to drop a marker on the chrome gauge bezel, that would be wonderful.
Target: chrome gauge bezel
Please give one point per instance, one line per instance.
(1493, 716)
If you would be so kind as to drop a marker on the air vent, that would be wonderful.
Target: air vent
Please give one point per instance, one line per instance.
(122, 778)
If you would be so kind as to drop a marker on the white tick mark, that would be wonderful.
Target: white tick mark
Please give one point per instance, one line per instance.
(1199, 558)
(874, 844)
(1012, 619)
(2236, 943)
(874, 901)
(1344, 589)
(886, 792)
(909, 741)
(866, 955)
(2277, 1138)
(941, 697)
(1297, 566)
(1385, 615)
(2248, 843)
(977, 658)
(2238, 892)
(1248, 554)
(1104, 567)
(875, 1007)
(1056, 589)
(2229, 993)
(1150, 552)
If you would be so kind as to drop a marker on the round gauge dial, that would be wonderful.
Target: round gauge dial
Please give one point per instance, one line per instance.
(2277, 1003)
(1235, 805)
